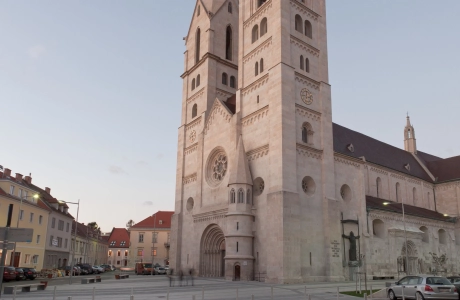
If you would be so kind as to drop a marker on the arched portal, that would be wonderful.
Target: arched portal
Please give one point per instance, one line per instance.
(412, 266)
(212, 252)
(237, 272)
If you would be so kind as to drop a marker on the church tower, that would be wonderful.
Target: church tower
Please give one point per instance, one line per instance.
(410, 144)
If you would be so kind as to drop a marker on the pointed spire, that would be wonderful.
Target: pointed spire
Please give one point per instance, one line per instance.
(408, 120)
(239, 171)
(410, 144)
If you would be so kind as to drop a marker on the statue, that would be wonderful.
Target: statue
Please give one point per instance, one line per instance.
(352, 251)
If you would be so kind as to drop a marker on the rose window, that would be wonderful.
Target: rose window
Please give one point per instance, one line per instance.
(220, 167)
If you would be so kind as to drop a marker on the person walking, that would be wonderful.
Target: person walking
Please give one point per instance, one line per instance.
(190, 272)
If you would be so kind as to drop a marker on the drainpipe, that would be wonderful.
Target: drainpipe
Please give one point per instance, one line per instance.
(434, 197)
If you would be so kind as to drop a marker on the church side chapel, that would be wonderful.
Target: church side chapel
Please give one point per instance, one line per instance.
(269, 188)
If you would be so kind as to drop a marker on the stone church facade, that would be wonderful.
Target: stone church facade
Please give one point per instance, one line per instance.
(269, 187)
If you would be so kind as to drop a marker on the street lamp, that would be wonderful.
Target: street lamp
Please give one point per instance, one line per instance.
(74, 239)
(405, 233)
(153, 240)
(35, 196)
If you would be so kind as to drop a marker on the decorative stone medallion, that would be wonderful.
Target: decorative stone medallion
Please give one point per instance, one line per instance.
(216, 167)
(307, 96)
(192, 136)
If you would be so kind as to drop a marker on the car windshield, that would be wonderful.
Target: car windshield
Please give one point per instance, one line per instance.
(161, 268)
(147, 265)
(438, 281)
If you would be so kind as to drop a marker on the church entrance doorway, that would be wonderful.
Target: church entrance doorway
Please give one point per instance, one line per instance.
(237, 272)
(212, 252)
(412, 265)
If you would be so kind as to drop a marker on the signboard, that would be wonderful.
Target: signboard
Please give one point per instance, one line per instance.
(17, 234)
(55, 242)
(245, 263)
(10, 246)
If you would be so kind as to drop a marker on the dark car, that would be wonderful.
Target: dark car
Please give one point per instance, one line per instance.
(455, 281)
(87, 268)
(19, 274)
(30, 273)
(9, 273)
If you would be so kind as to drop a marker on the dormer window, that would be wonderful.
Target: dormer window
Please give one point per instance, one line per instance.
(122, 243)
(351, 148)
(112, 243)
(160, 222)
(407, 166)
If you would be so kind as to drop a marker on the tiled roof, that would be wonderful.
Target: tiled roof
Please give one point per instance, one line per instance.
(84, 231)
(231, 103)
(39, 202)
(376, 152)
(162, 220)
(119, 238)
(445, 169)
(396, 207)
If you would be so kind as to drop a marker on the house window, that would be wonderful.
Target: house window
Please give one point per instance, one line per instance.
(140, 252)
(118, 253)
(67, 227)
(232, 82)
(228, 43)
(141, 237)
(160, 222)
(155, 237)
(263, 27)
(110, 253)
(38, 239)
(197, 45)
(21, 214)
(255, 33)
(198, 80)
(65, 243)
(198, 11)
(307, 65)
(240, 196)
(154, 252)
(260, 2)
(20, 194)
(35, 259)
(40, 219)
(298, 24)
(261, 65)
(12, 190)
(61, 225)
(230, 7)
(112, 243)
(53, 223)
(306, 133)
(51, 240)
(378, 183)
(25, 195)
(193, 84)
(248, 196)
(126, 252)
(256, 68)
(27, 259)
(398, 193)
(236, 246)
(301, 62)
(232, 196)
(224, 79)
(31, 217)
(59, 242)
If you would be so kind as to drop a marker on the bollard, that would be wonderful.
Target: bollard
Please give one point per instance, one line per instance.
(309, 297)
(337, 293)
(132, 291)
(54, 293)
(202, 293)
(403, 297)
(193, 297)
(94, 292)
(237, 294)
(131, 297)
(14, 294)
(272, 293)
(252, 297)
(69, 298)
(167, 295)
(365, 296)
(371, 292)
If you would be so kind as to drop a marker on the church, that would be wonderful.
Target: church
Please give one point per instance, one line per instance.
(269, 188)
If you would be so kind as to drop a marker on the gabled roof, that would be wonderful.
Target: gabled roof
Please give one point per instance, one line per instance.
(212, 6)
(85, 231)
(445, 169)
(39, 203)
(119, 238)
(376, 152)
(161, 219)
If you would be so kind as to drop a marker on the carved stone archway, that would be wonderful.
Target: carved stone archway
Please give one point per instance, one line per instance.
(413, 265)
(212, 252)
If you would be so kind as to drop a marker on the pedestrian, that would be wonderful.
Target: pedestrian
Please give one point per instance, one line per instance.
(180, 277)
(171, 282)
(190, 272)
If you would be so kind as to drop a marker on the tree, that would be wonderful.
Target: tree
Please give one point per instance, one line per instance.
(94, 227)
(439, 261)
(130, 224)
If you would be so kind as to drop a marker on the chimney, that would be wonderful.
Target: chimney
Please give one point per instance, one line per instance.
(7, 172)
(18, 177)
(28, 179)
(48, 190)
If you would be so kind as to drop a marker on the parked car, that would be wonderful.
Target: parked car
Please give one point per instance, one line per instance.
(87, 267)
(30, 273)
(83, 271)
(113, 267)
(143, 269)
(423, 287)
(76, 271)
(98, 269)
(19, 274)
(9, 273)
(107, 268)
(160, 271)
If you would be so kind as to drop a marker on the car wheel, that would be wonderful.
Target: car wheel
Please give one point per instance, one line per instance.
(419, 296)
(391, 295)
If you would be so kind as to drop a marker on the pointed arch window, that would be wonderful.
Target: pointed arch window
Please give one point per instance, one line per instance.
(263, 26)
(240, 196)
(408, 133)
(298, 23)
(308, 29)
(378, 183)
(398, 192)
(230, 10)
(256, 68)
(198, 80)
(260, 2)
(307, 65)
(197, 45)
(414, 195)
(198, 10)
(224, 79)
(307, 133)
(232, 82)
(194, 110)
(232, 196)
(193, 84)
(228, 43)
(261, 65)
(248, 197)
(255, 33)
(301, 62)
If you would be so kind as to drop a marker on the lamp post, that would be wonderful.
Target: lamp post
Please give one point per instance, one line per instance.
(153, 240)
(35, 196)
(405, 233)
(75, 238)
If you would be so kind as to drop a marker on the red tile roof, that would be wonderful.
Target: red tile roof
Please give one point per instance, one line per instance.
(117, 237)
(84, 231)
(162, 219)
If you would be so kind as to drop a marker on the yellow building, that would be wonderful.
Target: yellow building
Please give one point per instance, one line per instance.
(28, 212)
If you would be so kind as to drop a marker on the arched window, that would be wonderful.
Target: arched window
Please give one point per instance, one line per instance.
(255, 33)
(228, 43)
(308, 29)
(378, 228)
(198, 81)
(261, 65)
(306, 132)
(425, 235)
(298, 23)
(378, 183)
(230, 7)
(408, 133)
(224, 79)
(197, 45)
(232, 82)
(248, 197)
(257, 68)
(194, 110)
(240, 196)
(118, 253)
(442, 236)
(198, 11)
(301, 62)
(232, 196)
(398, 192)
(193, 84)
(307, 65)
(263, 26)
(126, 252)
(414, 195)
(260, 2)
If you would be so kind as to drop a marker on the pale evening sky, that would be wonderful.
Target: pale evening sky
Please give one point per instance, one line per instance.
(90, 93)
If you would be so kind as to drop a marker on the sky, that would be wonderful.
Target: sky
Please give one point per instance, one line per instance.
(90, 91)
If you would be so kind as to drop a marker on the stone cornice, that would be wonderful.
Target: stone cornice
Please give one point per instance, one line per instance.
(305, 10)
(210, 216)
(189, 179)
(309, 151)
(217, 108)
(196, 95)
(307, 81)
(255, 116)
(347, 160)
(447, 186)
(266, 44)
(391, 216)
(257, 153)
(304, 46)
(193, 124)
(307, 112)
(256, 84)
(223, 93)
(191, 149)
(203, 59)
(258, 14)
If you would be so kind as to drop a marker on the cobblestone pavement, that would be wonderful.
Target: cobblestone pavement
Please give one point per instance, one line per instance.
(157, 287)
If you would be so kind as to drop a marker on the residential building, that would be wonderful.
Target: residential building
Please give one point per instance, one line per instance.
(118, 254)
(149, 239)
(28, 212)
(90, 246)
(266, 182)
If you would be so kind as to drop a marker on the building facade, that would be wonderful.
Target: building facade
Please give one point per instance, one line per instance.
(118, 254)
(89, 245)
(268, 184)
(149, 239)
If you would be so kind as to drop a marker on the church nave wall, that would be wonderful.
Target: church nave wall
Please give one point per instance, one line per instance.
(448, 198)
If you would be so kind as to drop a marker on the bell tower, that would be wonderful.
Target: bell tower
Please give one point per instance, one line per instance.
(410, 144)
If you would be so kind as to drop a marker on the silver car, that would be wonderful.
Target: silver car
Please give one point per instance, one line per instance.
(423, 287)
